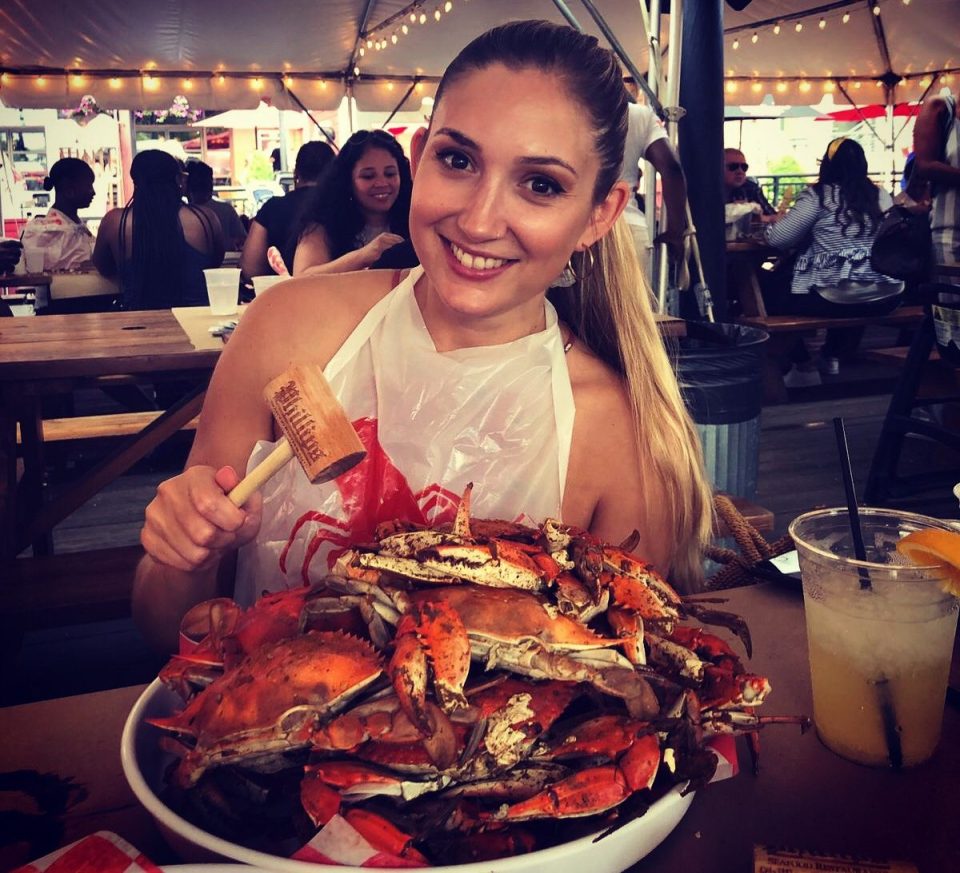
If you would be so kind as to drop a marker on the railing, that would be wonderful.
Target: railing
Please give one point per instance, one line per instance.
(775, 186)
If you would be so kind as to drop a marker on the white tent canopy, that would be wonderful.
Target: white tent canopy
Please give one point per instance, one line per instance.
(140, 53)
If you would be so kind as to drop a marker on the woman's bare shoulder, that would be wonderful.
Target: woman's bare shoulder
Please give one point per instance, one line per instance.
(310, 318)
(598, 390)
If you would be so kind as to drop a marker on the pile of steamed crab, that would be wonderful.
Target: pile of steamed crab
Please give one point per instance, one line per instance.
(454, 695)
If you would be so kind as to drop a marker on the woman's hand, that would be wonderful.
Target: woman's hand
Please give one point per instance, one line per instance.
(191, 523)
(378, 245)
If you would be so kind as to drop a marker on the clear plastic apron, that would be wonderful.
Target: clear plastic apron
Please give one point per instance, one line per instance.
(498, 416)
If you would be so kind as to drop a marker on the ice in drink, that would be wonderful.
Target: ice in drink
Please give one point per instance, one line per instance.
(880, 637)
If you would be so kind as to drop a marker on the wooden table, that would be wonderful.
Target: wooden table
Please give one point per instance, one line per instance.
(744, 258)
(804, 796)
(58, 354)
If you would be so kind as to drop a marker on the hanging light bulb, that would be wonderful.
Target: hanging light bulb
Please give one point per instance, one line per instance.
(798, 27)
(114, 82)
(413, 17)
(362, 51)
(756, 87)
(447, 6)
(394, 39)
(405, 29)
(437, 13)
(846, 17)
(755, 38)
(736, 44)
(876, 11)
(423, 18)
(822, 24)
(356, 71)
(776, 29)
(187, 84)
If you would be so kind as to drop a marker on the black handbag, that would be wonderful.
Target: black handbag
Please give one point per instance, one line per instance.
(901, 248)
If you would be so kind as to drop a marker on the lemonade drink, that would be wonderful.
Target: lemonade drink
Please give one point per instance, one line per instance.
(880, 637)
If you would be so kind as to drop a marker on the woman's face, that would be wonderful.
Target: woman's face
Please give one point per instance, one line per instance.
(503, 191)
(79, 190)
(376, 181)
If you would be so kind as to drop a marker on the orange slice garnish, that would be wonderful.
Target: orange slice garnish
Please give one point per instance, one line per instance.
(935, 548)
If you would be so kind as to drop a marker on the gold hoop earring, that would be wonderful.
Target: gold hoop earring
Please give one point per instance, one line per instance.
(587, 262)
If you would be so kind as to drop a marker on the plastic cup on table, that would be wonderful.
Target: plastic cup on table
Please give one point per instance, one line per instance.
(262, 283)
(879, 635)
(223, 289)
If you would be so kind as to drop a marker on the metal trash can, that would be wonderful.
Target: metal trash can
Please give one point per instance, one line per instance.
(720, 371)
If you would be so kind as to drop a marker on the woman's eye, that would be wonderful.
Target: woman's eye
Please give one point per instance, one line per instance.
(455, 160)
(544, 185)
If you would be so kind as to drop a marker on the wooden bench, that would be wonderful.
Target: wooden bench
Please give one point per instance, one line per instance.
(904, 316)
(781, 326)
(114, 424)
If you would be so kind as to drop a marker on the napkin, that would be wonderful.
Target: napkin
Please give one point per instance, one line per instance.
(102, 852)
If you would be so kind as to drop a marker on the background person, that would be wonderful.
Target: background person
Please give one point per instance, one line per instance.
(156, 245)
(832, 224)
(200, 193)
(276, 224)
(359, 210)
(936, 145)
(647, 140)
(508, 190)
(738, 188)
(60, 240)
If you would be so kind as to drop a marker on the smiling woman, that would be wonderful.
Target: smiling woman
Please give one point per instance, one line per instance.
(460, 371)
(358, 210)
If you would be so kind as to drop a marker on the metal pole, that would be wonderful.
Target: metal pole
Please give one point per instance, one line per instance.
(650, 179)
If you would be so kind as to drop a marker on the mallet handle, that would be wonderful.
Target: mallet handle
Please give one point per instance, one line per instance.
(282, 452)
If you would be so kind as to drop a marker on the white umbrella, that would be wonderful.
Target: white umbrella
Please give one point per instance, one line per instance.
(264, 116)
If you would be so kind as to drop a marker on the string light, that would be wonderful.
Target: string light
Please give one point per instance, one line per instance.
(447, 6)
(846, 17)
(798, 26)
(876, 11)
(756, 87)
(776, 29)
(736, 44)
(822, 24)
(436, 14)
(114, 82)
(187, 84)
(755, 38)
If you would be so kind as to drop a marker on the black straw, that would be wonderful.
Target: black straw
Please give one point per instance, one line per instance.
(848, 487)
(891, 733)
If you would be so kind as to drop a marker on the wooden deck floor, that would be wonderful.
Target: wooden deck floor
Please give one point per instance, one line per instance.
(798, 470)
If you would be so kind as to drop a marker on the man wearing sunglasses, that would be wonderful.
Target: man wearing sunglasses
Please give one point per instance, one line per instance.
(738, 187)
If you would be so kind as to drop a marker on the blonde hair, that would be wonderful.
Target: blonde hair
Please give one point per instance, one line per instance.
(617, 323)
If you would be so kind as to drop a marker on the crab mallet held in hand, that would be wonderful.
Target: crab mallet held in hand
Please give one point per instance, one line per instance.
(315, 429)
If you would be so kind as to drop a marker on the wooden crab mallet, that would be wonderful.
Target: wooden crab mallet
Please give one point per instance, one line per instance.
(315, 429)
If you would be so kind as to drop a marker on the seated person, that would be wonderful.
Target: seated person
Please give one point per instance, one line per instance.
(59, 240)
(157, 245)
(275, 225)
(200, 193)
(739, 189)
(832, 226)
(10, 250)
(360, 209)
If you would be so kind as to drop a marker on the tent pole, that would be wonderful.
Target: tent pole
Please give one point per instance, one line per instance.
(701, 94)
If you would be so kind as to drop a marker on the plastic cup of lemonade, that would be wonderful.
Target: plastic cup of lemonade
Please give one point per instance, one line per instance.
(879, 633)
(223, 289)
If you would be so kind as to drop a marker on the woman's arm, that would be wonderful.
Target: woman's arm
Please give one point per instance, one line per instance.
(253, 258)
(104, 255)
(792, 230)
(928, 144)
(312, 257)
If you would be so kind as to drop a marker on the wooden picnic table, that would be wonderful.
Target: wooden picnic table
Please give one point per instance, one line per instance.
(59, 354)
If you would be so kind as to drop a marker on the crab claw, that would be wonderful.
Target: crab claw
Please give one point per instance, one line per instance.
(435, 633)
(593, 790)
(729, 620)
